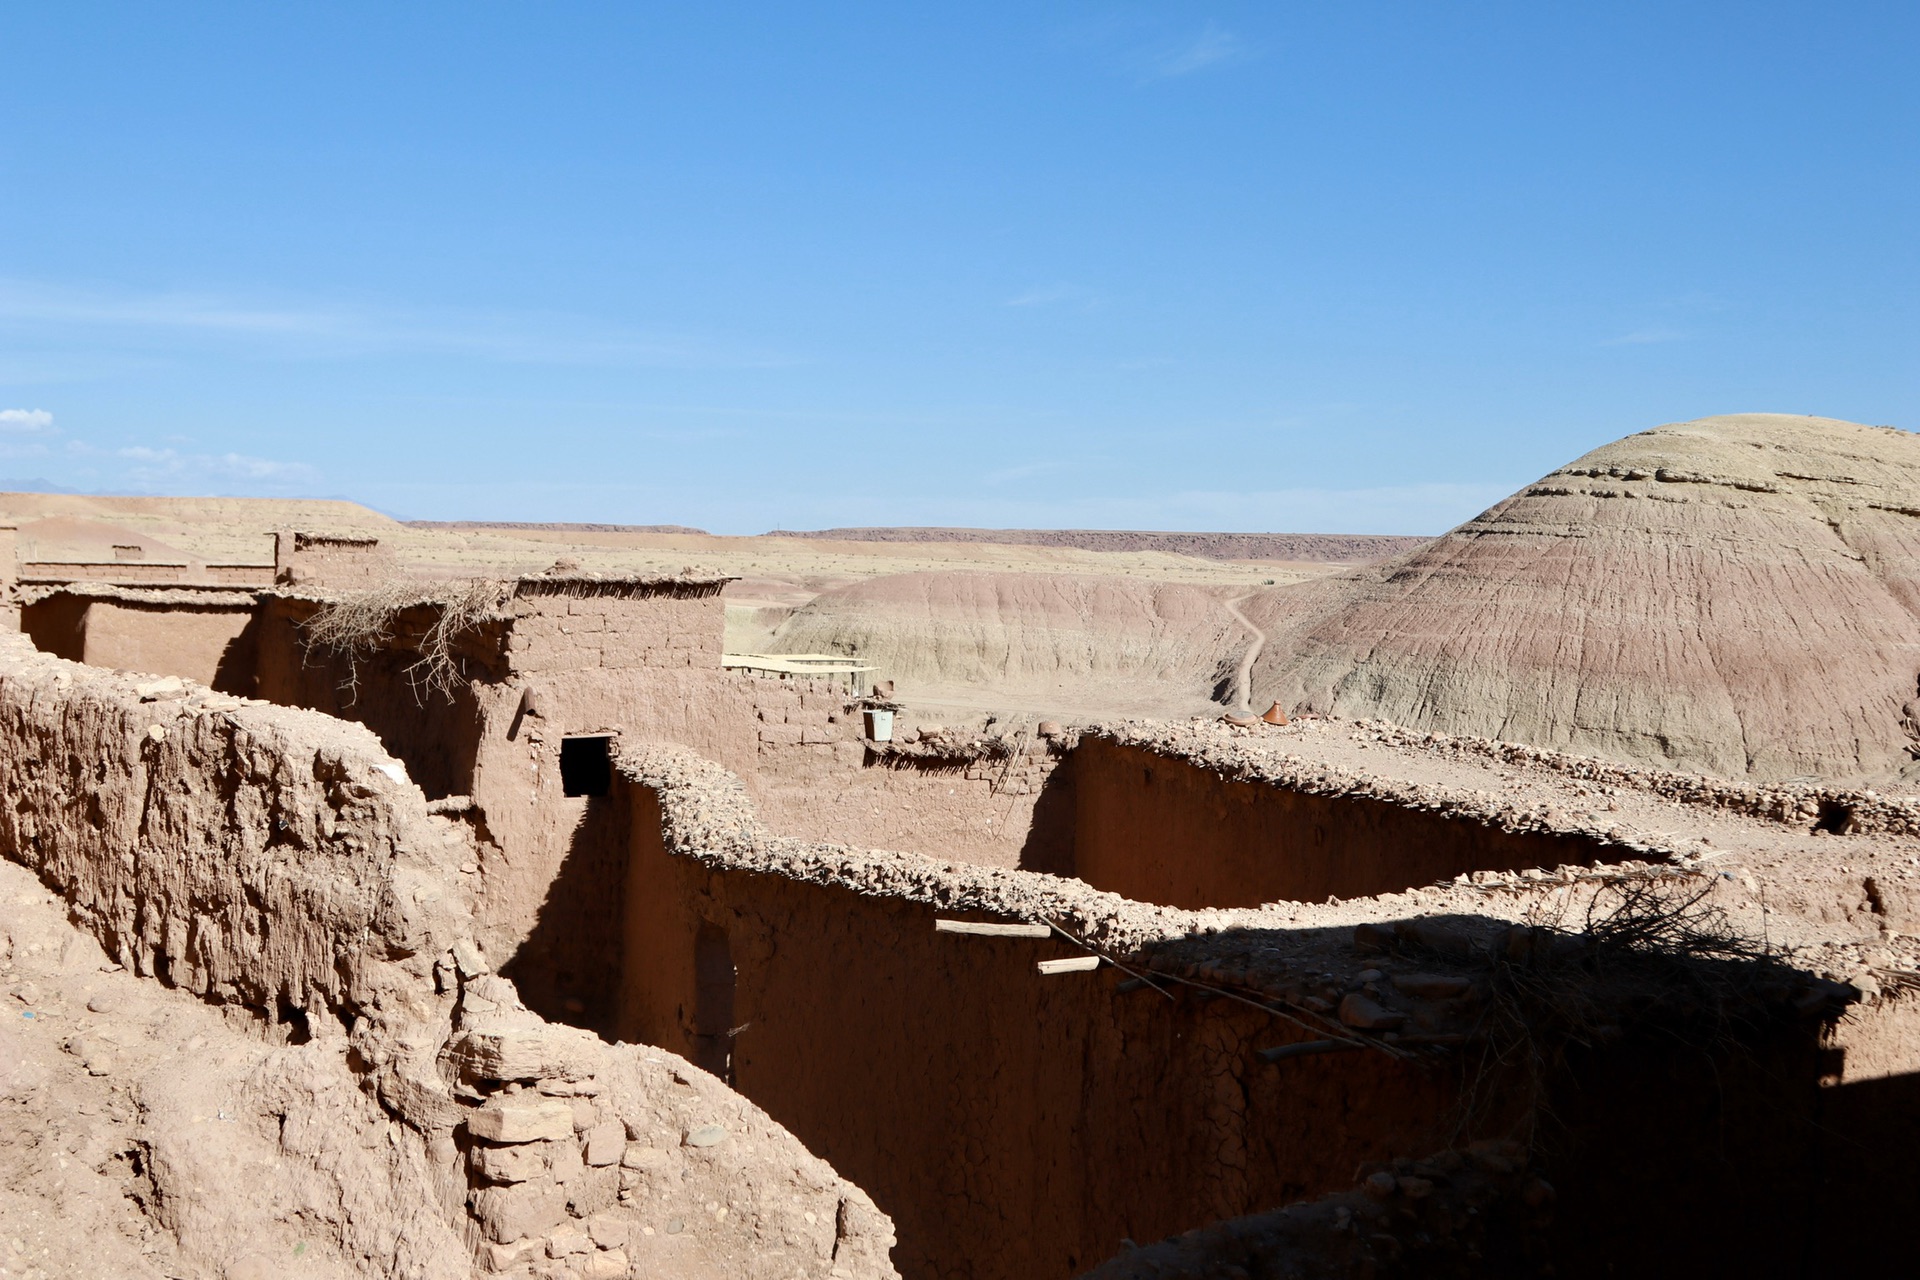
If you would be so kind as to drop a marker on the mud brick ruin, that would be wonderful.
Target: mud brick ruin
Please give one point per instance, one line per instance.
(519, 936)
(509, 927)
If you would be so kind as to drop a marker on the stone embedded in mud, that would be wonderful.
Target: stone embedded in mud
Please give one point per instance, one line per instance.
(608, 1231)
(468, 958)
(567, 1241)
(606, 1143)
(504, 1257)
(521, 1163)
(522, 1055)
(707, 1135)
(1431, 986)
(526, 1209)
(1372, 937)
(611, 1265)
(640, 1156)
(1357, 1010)
(521, 1118)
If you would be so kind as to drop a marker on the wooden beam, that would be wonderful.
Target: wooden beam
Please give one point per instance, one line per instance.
(994, 930)
(1072, 964)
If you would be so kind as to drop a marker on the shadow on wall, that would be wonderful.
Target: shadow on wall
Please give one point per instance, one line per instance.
(1158, 829)
(237, 671)
(57, 625)
(568, 969)
(1867, 1196)
(1049, 846)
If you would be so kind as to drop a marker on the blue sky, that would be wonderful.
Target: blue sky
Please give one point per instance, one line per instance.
(1354, 267)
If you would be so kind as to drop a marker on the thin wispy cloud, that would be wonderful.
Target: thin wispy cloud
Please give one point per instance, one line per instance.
(25, 421)
(333, 332)
(144, 468)
(1027, 471)
(1043, 296)
(1215, 46)
(1645, 337)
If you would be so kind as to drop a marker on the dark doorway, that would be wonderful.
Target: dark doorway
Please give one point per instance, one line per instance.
(713, 977)
(586, 765)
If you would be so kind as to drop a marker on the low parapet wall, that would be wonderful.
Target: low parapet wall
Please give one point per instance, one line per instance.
(1162, 826)
(200, 635)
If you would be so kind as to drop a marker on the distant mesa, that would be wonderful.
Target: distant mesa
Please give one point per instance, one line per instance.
(1738, 595)
(1310, 548)
(555, 526)
(1317, 548)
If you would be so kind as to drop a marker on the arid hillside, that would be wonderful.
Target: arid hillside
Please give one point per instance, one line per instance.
(1735, 595)
(1033, 638)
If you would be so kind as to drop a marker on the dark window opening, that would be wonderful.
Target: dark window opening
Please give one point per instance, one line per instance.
(586, 766)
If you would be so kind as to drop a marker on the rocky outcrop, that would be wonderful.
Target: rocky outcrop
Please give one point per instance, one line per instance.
(1735, 595)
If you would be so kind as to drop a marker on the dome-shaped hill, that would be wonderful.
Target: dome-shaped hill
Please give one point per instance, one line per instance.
(1739, 595)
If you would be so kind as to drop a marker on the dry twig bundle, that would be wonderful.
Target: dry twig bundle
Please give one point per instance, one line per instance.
(362, 622)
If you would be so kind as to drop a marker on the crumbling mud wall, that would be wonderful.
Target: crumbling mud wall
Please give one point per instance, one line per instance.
(1022, 1123)
(552, 659)
(279, 864)
(1155, 826)
(199, 635)
(988, 802)
(1013, 1124)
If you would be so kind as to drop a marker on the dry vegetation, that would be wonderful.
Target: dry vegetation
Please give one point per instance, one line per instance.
(361, 622)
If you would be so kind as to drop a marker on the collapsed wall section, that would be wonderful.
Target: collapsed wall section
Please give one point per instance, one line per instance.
(245, 852)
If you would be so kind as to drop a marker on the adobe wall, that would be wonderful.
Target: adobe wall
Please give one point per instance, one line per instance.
(989, 810)
(208, 642)
(278, 862)
(434, 732)
(1017, 1124)
(1012, 1124)
(195, 634)
(1159, 828)
(563, 623)
(637, 662)
(302, 559)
